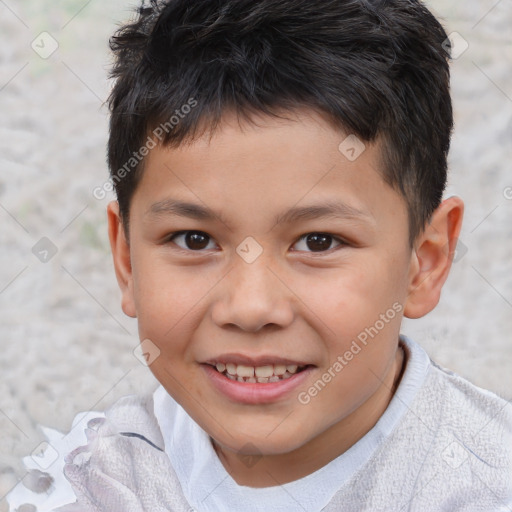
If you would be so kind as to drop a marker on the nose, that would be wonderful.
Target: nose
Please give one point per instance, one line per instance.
(252, 296)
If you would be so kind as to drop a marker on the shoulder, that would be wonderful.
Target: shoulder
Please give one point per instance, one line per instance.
(470, 456)
(44, 485)
(124, 465)
(450, 450)
(470, 410)
(448, 401)
(47, 485)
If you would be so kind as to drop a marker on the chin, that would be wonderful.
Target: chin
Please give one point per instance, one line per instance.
(264, 444)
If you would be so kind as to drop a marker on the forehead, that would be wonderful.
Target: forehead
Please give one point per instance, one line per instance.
(278, 169)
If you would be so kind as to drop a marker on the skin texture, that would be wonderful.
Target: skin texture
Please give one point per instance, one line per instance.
(292, 301)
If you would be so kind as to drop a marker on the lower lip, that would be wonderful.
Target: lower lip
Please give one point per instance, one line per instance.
(255, 393)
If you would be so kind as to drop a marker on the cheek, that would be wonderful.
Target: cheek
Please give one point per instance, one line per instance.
(166, 298)
(348, 298)
(357, 310)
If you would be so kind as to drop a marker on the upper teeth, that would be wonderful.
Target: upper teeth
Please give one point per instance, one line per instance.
(240, 370)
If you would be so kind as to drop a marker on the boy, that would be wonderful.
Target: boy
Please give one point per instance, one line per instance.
(279, 170)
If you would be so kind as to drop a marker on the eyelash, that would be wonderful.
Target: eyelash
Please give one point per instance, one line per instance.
(334, 238)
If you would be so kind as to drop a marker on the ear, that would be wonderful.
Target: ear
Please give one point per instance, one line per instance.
(122, 262)
(432, 258)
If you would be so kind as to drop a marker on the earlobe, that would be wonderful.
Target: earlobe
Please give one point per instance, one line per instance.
(432, 258)
(122, 261)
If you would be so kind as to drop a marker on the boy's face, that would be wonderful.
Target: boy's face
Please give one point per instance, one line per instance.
(251, 286)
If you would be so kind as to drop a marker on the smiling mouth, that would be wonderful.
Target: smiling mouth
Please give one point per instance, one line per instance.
(259, 374)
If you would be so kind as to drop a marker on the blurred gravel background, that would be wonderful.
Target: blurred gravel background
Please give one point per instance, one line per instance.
(66, 345)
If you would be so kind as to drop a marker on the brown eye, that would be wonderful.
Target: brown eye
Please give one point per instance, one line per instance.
(196, 240)
(191, 240)
(319, 242)
(316, 242)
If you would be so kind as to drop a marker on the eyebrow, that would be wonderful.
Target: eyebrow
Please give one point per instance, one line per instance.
(184, 209)
(326, 210)
(295, 214)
